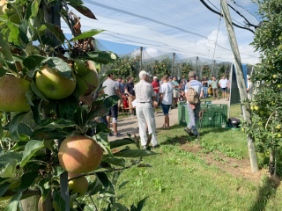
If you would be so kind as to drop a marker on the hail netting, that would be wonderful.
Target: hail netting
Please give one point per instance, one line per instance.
(181, 26)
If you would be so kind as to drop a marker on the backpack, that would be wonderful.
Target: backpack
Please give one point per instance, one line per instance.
(234, 122)
(193, 97)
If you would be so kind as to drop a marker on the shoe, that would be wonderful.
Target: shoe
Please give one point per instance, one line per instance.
(110, 134)
(189, 131)
(144, 147)
(227, 99)
(118, 135)
(156, 146)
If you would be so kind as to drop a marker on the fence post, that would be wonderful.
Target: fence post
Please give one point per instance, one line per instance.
(173, 60)
(196, 67)
(141, 55)
(241, 81)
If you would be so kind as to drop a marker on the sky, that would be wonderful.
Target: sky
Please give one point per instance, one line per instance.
(162, 30)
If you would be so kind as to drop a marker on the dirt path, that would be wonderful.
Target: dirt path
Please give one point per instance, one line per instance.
(130, 125)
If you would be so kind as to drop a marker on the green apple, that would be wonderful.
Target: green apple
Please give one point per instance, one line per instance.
(256, 108)
(278, 127)
(261, 112)
(274, 76)
(89, 82)
(53, 85)
(78, 185)
(4, 8)
(12, 94)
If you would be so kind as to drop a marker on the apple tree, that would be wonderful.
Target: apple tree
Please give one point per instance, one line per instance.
(50, 140)
(266, 104)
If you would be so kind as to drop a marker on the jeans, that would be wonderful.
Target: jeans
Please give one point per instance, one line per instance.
(193, 118)
(206, 95)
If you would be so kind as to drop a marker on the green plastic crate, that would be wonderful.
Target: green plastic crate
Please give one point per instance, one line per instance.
(214, 116)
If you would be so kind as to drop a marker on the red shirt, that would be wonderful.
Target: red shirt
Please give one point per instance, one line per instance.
(155, 84)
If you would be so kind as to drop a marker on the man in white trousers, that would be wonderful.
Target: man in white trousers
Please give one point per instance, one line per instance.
(145, 113)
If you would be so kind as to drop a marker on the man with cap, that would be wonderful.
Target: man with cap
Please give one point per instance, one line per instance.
(193, 110)
(156, 87)
(175, 93)
(250, 87)
(145, 113)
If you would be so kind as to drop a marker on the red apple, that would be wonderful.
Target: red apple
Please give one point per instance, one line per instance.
(80, 154)
(53, 85)
(12, 94)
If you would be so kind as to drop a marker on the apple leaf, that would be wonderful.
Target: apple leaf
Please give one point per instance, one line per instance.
(29, 96)
(5, 50)
(33, 61)
(87, 34)
(14, 33)
(35, 110)
(55, 124)
(78, 116)
(3, 188)
(94, 187)
(13, 127)
(141, 204)
(59, 202)
(67, 107)
(54, 30)
(115, 161)
(30, 149)
(37, 91)
(25, 129)
(10, 169)
(7, 156)
(103, 178)
(14, 203)
(104, 57)
(102, 140)
(78, 5)
(57, 171)
(121, 142)
(134, 153)
(60, 65)
(102, 128)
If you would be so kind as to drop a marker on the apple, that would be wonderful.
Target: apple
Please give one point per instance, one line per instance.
(80, 154)
(12, 94)
(79, 185)
(53, 85)
(4, 8)
(279, 135)
(278, 127)
(261, 112)
(252, 108)
(89, 82)
(274, 76)
(256, 108)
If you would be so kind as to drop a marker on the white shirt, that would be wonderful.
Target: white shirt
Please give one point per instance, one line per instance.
(223, 83)
(166, 90)
(144, 92)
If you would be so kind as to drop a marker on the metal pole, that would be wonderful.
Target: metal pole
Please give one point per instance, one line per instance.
(196, 67)
(241, 80)
(230, 89)
(141, 55)
(173, 60)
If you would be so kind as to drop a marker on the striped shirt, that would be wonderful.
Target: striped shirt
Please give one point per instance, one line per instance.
(197, 85)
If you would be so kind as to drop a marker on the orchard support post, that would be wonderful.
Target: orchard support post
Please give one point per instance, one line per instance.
(173, 60)
(196, 67)
(141, 57)
(241, 81)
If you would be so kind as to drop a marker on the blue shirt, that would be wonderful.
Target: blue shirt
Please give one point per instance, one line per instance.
(197, 85)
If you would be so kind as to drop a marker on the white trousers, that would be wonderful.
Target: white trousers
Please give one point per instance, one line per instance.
(145, 114)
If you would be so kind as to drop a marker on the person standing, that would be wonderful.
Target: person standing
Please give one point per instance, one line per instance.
(183, 78)
(111, 89)
(121, 89)
(156, 87)
(223, 84)
(166, 90)
(129, 89)
(193, 110)
(250, 88)
(175, 93)
(205, 82)
(182, 90)
(144, 109)
(214, 84)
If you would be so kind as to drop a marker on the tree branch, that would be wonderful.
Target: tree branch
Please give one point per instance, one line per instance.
(110, 170)
(25, 193)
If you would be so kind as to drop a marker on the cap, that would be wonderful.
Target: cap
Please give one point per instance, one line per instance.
(170, 77)
(248, 76)
(148, 74)
(155, 77)
(192, 74)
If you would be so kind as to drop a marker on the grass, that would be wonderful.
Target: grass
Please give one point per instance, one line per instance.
(180, 180)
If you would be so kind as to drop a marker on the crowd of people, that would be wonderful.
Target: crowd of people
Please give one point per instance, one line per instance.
(165, 92)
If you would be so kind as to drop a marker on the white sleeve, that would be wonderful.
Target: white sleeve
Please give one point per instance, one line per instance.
(116, 86)
(161, 89)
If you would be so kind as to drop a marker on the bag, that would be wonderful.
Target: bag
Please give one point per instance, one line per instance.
(233, 122)
(193, 97)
